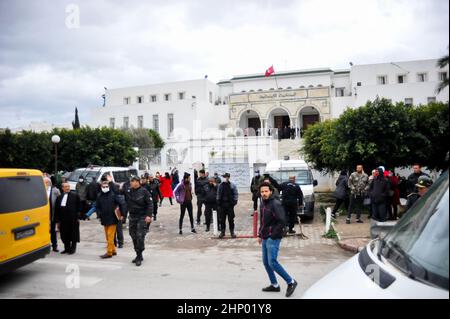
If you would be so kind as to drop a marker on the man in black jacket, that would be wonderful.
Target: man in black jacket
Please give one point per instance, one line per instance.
(140, 208)
(378, 190)
(227, 198)
(106, 204)
(92, 191)
(200, 191)
(210, 201)
(254, 189)
(414, 178)
(292, 198)
(155, 191)
(272, 224)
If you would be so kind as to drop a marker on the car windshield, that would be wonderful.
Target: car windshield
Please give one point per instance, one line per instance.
(419, 244)
(88, 175)
(75, 175)
(302, 176)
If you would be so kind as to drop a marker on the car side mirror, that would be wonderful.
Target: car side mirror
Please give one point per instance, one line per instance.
(315, 182)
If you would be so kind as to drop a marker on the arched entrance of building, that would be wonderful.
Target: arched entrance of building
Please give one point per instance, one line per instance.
(307, 117)
(250, 123)
(279, 123)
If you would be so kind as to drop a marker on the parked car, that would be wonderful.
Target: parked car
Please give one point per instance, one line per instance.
(410, 261)
(119, 174)
(280, 170)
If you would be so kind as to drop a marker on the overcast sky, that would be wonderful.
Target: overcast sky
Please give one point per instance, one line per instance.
(51, 61)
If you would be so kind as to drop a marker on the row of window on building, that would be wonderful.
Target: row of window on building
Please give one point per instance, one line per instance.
(140, 122)
(167, 97)
(409, 101)
(402, 78)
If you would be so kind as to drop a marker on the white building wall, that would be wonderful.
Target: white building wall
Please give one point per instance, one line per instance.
(197, 120)
(397, 92)
(294, 81)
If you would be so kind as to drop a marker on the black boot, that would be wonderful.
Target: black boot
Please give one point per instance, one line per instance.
(139, 259)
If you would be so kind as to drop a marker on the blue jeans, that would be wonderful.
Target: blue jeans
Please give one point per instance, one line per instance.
(270, 248)
(92, 210)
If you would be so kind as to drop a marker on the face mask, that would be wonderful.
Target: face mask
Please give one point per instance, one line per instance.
(105, 190)
(81, 180)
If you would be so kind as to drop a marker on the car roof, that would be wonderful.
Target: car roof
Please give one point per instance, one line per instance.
(9, 172)
(286, 164)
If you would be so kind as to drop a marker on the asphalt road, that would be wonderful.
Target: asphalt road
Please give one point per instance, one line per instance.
(186, 266)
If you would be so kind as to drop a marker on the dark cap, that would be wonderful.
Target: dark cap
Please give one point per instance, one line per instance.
(424, 181)
(226, 175)
(135, 178)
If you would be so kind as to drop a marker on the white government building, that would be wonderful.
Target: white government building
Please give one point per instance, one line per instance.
(239, 124)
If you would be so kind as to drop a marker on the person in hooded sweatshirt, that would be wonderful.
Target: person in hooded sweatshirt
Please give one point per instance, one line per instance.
(183, 195)
(271, 230)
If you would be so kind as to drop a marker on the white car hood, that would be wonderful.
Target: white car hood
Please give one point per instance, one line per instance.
(349, 281)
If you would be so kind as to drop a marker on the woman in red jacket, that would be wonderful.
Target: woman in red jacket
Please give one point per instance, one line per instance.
(166, 188)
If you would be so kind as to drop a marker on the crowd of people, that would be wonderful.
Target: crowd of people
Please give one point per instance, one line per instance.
(380, 192)
(139, 198)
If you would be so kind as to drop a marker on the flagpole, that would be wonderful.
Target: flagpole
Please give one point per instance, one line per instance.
(276, 82)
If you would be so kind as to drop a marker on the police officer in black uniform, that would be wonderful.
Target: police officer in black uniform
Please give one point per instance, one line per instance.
(140, 208)
(424, 182)
(291, 198)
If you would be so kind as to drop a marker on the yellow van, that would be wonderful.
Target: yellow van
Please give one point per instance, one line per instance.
(24, 218)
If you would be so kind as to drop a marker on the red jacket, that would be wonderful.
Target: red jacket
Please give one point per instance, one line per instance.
(166, 186)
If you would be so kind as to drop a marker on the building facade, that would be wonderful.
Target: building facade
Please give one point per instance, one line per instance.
(251, 119)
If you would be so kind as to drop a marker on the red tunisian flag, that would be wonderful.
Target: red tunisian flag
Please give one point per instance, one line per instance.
(269, 71)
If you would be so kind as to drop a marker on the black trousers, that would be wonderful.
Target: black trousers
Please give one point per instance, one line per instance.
(208, 212)
(53, 236)
(291, 214)
(200, 203)
(186, 205)
(170, 199)
(226, 210)
(255, 203)
(155, 207)
(137, 228)
(118, 239)
(355, 200)
(70, 246)
(338, 204)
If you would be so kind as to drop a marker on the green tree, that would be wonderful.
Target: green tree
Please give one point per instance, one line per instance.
(78, 148)
(380, 133)
(145, 138)
(320, 146)
(76, 123)
(431, 135)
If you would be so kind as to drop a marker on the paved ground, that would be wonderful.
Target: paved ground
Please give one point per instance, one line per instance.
(186, 266)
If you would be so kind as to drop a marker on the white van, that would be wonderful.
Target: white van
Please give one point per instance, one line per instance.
(410, 261)
(280, 170)
(119, 174)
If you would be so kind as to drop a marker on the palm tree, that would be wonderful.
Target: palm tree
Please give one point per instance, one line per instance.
(442, 63)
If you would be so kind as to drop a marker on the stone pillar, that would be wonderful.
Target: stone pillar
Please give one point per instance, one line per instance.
(295, 126)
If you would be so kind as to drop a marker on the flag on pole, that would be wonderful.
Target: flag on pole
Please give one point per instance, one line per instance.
(269, 71)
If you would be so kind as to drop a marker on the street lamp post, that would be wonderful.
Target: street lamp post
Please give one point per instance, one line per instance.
(56, 139)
